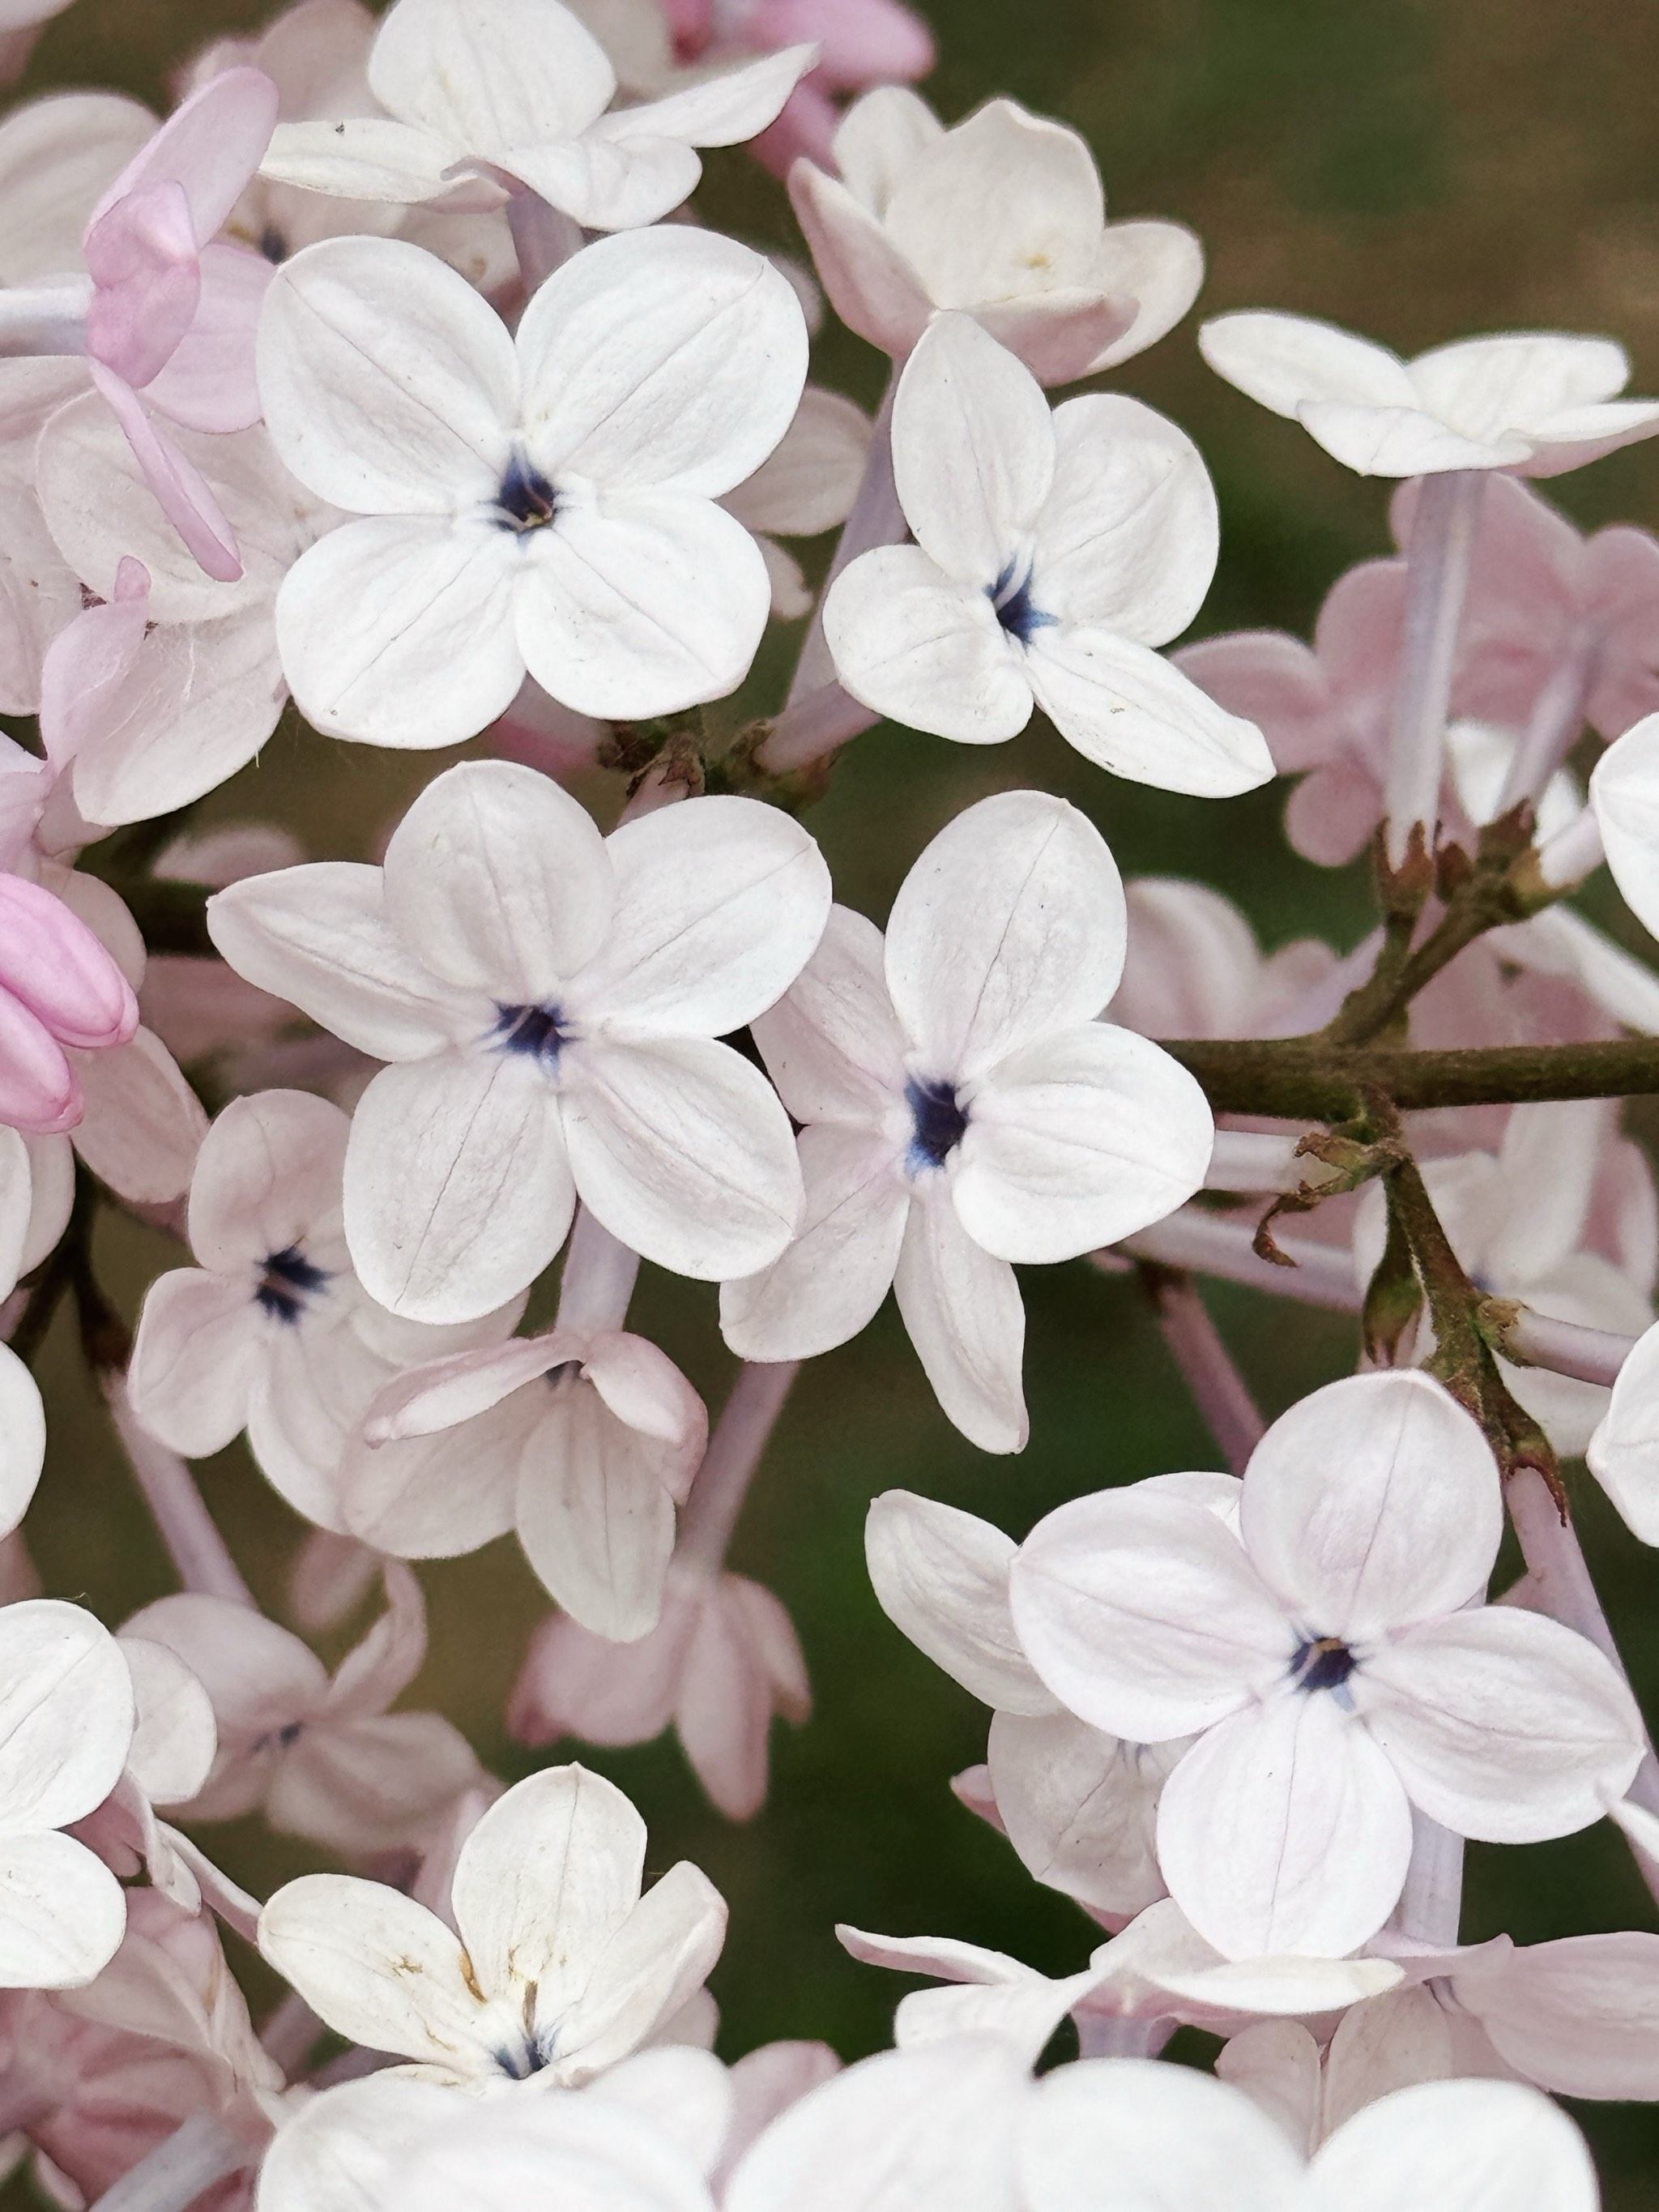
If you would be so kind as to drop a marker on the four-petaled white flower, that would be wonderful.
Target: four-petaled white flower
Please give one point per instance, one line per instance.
(1052, 552)
(1335, 1666)
(67, 1716)
(273, 1333)
(1535, 402)
(545, 501)
(551, 999)
(1002, 216)
(487, 98)
(965, 1109)
(560, 1969)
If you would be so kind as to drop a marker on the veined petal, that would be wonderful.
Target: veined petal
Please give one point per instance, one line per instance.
(398, 630)
(317, 936)
(871, 284)
(1502, 1724)
(972, 451)
(63, 1913)
(1460, 2145)
(1127, 710)
(210, 144)
(1403, 442)
(660, 1957)
(362, 157)
(719, 903)
(195, 1360)
(1288, 363)
(485, 73)
(1081, 1806)
(841, 1264)
(1580, 2016)
(66, 1714)
(545, 1881)
(669, 358)
(268, 1178)
(725, 108)
(681, 1150)
(1011, 924)
(833, 1044)
(458, 1189)
(594, 1515)
(258, 1676)
(337, 2152)
(1372, 1503)
(966, 1320)
(379, 1968)
(432, 1497)
(650, 603)
(607, 183)
(389, 386)
(913, 644)
(1624, 1453)
(1516, 382)
(1077, 1141)
(498, 881)
(1285, 1830)
(1144, 1616)
(1129, 537)
(941, 1577)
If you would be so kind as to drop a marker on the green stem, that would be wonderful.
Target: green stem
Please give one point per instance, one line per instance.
(1297, 1079)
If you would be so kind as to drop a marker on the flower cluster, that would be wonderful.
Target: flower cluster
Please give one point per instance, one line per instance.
(393, 390)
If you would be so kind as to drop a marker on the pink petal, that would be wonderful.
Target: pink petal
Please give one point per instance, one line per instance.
(84, 674)
(210, 146)
(142, 257)
(180, 488)
(207, 383)
(51, 963)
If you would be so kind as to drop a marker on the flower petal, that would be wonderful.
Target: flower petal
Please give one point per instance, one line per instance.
(1077, 1141)
(1288, 363)
(658, 1959)
(400, 631)
(833, 1044)
(1081, 1806)
(841, 1264)
(910, 642)
(1460, 2145)
(1624, 789)
(720, 902)
(665, 359)
(545, 1881)
(1372, 1503)
(458, 1189)
(1172, 2140)
(680, 1149)
(1127, 710)
(1142, 1613)
(1011, 924)
(378, 1968)
(1578, 2017)
(941, 1577)
(63, 1913)
(1285, 1830)
(1502, 1724)
(195, 1360)
(594, 1515)
(499, 882)
(963, 1312)
(66, 1714)
(22, 1439)
(484, 78)
(390, 387)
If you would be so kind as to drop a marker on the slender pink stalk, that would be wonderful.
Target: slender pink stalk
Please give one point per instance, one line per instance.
(1431, 1904)
(187, 1528)
(598, 1277)
(1573, 852)
(1442, 540)
(1556, 717)
(177, 2172)
(729, 1466)
(1220, 1244)
(1219, 1391)
(1593, 1355)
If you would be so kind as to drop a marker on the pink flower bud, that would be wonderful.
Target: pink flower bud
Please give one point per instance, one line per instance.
(52, 965)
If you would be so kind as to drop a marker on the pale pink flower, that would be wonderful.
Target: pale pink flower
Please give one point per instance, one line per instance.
(721, 1661)
(59, 991)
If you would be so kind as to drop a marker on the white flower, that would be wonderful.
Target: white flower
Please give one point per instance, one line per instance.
(958, 2125)
(965, 1109)
(272, 1332)
(319, 1755)
(66, 1725)
(1052, 554)
(474, 88)
(1535, 403)
(545, 502)
(1624, 790)
(1519, 1222)
(1624, 1452)
(1002, 216)
(551, 999)
(561, 1968)
(583, 1440)
(1330, 1665)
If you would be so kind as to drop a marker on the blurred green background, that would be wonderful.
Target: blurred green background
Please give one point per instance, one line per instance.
(1417, 169)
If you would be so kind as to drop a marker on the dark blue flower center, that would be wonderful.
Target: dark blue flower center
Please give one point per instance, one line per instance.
(526, 500)
(938, 1120)
(1011, 596)
(1324, 1662)
(536, 1030)
(288, 1283)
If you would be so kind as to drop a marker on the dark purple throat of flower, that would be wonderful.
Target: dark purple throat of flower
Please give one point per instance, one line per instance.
(938, 1121)
(1324, 1662)
(288, 1284)
(537, 1031)
(1011, 596)
(526, 500)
